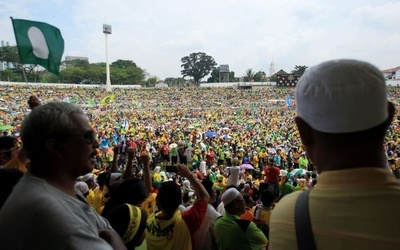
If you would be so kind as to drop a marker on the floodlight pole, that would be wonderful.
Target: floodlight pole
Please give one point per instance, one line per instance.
(107, 31)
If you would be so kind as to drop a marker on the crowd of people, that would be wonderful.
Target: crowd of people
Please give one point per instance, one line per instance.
(183, 168)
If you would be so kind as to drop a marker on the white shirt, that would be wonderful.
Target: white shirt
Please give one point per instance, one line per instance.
(205, 235)
(39, 216)
(203, 167)
(233, 175)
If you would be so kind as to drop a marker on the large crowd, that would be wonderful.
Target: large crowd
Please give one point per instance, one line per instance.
(223, 136)
(259, 120)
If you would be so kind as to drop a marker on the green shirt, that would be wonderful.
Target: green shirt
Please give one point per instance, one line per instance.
(287, 188)
(212, 177)
(221, 154)
(303, 163)
(173, 151)
(230, 236)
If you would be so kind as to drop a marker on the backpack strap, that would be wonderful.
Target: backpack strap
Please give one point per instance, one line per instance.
(243, 224)
(304, 233)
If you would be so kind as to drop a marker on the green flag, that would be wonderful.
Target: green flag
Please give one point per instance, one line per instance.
(39, 43)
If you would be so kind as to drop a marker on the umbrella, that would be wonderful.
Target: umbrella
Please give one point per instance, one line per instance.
(196, 125)
(211, 134)
(298, 171)
(5, 127)
(246, 166)
(227, 137)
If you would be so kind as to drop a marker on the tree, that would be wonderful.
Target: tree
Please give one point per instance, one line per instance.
(127, 72)
(33, 72)
(123, 64)
(214, 75)
(299, 69)
(172, 81)
(73, 75)
(197, 65)
(232, 77)
(151, 81)
(249, 75)
(259, 76)
(84, 64)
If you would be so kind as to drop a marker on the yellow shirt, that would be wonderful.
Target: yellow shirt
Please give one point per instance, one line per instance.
(98, 200)
(168, 234)
(349, 209)
(90, 197)
(149, 205)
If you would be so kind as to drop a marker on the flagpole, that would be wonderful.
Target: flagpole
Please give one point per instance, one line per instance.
(107, 31)
(19, 53)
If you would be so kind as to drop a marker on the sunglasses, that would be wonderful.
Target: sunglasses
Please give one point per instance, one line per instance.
(90, 137)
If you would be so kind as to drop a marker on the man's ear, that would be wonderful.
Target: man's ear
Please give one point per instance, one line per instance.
(54, 147)
(305, 131)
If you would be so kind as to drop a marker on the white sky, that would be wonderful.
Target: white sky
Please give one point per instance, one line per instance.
(156, 34)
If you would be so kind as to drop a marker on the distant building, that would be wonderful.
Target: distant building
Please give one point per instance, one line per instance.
(3, 64)
(272, 68)
(284, 79)
(392, 74)
(71, 58)
(224, 73)
(161, 85)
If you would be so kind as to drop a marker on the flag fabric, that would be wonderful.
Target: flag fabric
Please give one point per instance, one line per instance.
(125, 124)
(288, 101)
(107, 100)
(91, 102)
(39, 43)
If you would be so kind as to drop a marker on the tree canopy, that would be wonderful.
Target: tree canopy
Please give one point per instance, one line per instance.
(197, 65)
(172, 81)
(299, 69)
(249, 75)
(260, 76)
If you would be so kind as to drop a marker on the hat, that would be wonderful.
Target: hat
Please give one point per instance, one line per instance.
(82, 187)
(283, 173)
(129, 222)
(230, 195)
(85, 177)
(220, 177)
(342, 96)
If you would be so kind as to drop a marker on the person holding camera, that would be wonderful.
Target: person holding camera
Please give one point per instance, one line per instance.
(169, 228)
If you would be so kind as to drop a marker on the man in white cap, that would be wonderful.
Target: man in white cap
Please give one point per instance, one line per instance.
(342, 116)
(234, 233)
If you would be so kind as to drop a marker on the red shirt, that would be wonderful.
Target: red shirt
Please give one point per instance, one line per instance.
(210, 157)
(272, 174)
